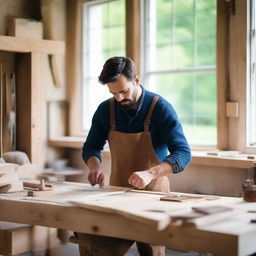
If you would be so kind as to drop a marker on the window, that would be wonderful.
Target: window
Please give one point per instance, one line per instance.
(180, 62)
(103, 37)
(251, 95)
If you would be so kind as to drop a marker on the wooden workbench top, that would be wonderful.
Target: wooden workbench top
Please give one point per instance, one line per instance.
(135, 215)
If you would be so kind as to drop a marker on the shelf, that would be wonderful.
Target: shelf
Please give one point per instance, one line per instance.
(67, 142)
(198, 157)
(22, 44)
(240, 161)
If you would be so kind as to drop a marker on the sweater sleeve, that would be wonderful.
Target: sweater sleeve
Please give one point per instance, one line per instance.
(172, 134)
(98, 133)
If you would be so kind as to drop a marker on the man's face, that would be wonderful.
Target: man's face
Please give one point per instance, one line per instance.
(124, 91)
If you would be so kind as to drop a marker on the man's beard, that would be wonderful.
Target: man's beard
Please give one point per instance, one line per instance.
(126, 103)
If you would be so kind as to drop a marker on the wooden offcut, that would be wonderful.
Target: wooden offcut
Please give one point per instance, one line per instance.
(9, 182)
(21, 27)
(232, 109)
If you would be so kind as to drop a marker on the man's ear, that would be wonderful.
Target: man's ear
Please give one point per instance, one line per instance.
(137, 79)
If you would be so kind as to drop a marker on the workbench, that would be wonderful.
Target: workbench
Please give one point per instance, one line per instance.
(137, 215)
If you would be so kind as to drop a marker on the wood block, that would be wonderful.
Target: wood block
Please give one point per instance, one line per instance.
(224, 153)
(211, 209)
(7, 167)
(8, 177)
(186, 198)
(31, 171)
(38, 193)
(25, 28)
(12, 187)
(232, 109)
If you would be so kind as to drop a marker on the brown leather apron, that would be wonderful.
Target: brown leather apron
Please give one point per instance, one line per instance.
(131, 152)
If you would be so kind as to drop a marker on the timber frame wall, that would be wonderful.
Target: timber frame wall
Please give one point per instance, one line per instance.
(231, 65)
(207, 176)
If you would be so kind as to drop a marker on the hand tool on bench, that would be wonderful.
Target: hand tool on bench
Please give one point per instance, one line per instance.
(38, 189)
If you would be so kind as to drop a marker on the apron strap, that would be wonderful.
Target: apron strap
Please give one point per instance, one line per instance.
(112, 114)
(148, 117)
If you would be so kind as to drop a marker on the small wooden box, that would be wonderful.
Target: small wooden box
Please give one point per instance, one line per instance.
(25, 28)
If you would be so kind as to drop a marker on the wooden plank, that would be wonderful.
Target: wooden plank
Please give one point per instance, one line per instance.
(11, 187)
(82, 220)
(21, 27)
(7, 167)
(67, 142)
(222, 73)
(229, 235)
(38, 109)
(26, 45)
(30, 107)
(201, 220)
(1, 109)
(223, 162)
(126, 189)
(24, 108)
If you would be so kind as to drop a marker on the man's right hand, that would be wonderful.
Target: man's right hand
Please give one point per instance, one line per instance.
(96, 177)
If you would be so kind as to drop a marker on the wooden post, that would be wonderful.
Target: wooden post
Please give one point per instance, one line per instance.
(133, 31)
(30, 98)
(222, 73)
(1, 110)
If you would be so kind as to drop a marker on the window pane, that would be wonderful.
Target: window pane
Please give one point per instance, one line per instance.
(206, 24)
(164, 8)
(183, 6)
(180, 58)
(193, 96)
(113, 14)
(98, 93)
(203, 4)
(183, 29)
(183, 54)
(113, 37)
(164, 30)
(103, 37)
(205, 52)
(161, 57)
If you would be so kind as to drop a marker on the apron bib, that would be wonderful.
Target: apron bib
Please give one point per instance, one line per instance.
(131, 152)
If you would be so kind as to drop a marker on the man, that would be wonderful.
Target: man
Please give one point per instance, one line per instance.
(140, 127)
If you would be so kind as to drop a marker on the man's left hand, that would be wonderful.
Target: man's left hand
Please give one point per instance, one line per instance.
(140, 179)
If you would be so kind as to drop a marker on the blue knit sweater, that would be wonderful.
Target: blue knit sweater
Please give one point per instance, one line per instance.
(166, 131)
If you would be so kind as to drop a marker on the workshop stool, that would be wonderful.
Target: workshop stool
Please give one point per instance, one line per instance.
(19, 238)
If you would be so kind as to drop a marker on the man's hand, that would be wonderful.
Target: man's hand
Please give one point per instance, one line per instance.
(140, 179)
(96, 177)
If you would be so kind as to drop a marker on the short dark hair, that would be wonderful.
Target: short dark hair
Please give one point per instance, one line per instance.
(116, 66)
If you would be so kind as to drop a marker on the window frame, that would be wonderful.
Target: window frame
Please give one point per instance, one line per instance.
(145, 75)
(250, 67)
(230, 27)
(86, 76)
